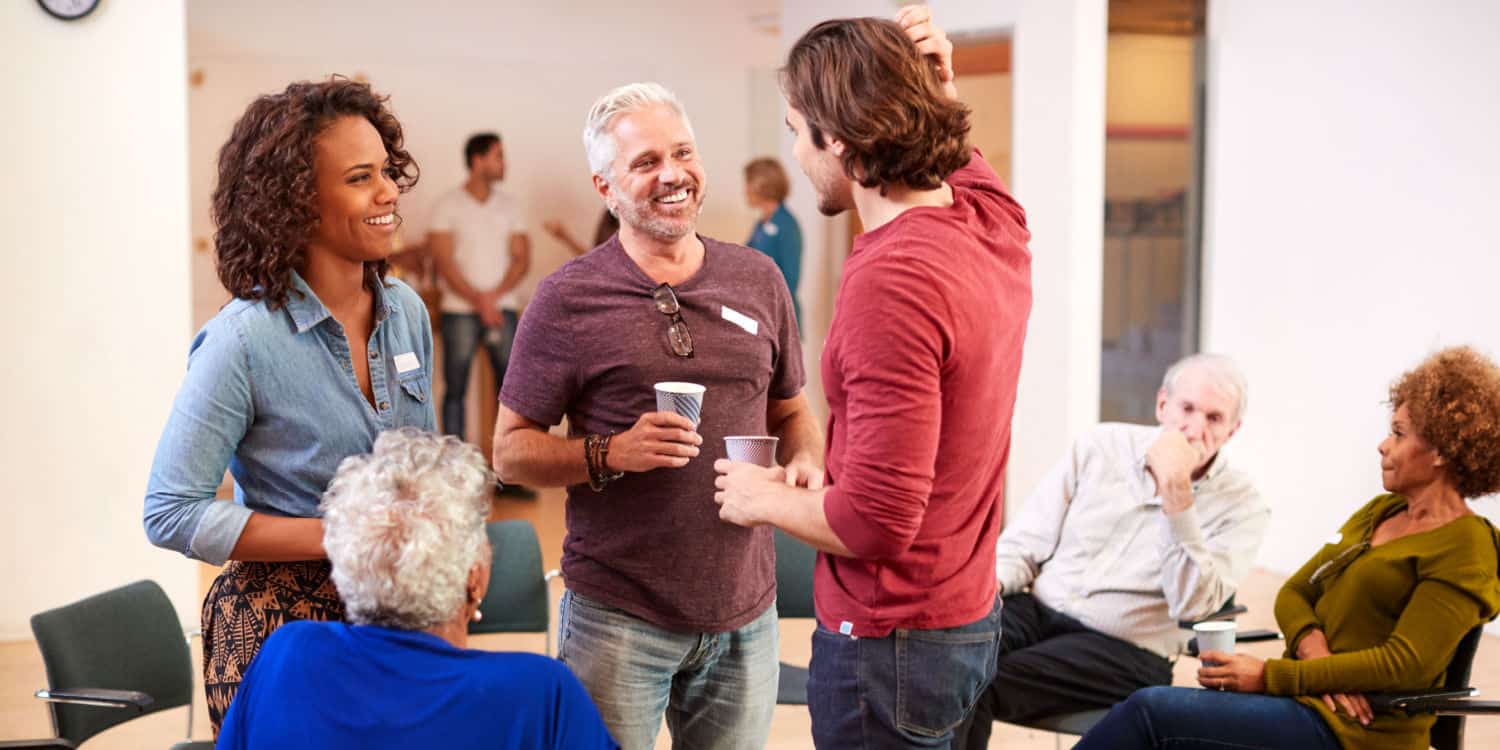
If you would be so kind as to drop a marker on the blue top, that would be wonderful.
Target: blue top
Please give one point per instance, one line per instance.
(271, 394)
(335, 685)
(781, 238)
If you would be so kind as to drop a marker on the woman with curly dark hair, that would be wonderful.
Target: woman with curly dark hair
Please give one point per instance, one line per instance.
(1381, 609)
(317, 353)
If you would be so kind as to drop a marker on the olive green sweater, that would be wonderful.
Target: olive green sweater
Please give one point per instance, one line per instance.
(1393, 616)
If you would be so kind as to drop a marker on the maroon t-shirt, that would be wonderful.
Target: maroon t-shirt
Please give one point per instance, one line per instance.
(920, 369)
(591, 345)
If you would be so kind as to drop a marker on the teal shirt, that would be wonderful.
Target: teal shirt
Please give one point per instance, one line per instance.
(781, 238)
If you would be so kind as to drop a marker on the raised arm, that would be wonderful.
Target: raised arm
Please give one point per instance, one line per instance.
(1204, 566)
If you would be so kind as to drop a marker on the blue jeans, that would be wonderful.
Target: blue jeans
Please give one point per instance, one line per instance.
(1187, 718)
(911, 688)
(462, 334)
(718, 690)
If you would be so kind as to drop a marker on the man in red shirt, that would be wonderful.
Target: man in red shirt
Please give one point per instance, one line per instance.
(920, 370)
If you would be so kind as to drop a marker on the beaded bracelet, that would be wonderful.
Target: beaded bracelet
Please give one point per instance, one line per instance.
(595, 455)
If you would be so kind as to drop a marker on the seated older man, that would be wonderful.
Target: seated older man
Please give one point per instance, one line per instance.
(1135, 529)
(404, 529)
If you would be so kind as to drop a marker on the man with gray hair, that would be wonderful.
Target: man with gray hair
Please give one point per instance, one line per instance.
(1136, 528)
(667, 609)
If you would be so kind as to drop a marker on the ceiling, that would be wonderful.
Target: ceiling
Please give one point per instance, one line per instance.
(1169, 17)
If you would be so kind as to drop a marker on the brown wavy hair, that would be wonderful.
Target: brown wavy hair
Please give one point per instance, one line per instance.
(265, 203)
(1453, 399)
(861, 81)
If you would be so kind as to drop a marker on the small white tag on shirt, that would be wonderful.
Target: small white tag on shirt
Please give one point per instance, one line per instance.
(771, 229)
(406, 362)
(740, 319)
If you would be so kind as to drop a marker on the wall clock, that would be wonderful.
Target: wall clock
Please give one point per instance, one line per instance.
(68, 10)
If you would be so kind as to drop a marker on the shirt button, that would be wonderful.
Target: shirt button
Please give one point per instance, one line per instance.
(374, 354)
(385, 405)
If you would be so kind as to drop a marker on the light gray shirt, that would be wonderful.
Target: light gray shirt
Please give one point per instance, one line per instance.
(1093, 542)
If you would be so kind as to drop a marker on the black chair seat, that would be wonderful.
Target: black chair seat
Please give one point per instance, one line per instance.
(791, 689)
(1078, 722)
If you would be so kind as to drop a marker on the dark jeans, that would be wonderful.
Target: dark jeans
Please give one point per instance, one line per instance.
(1188, 718)
(1053, 664)
(462, 335)
(908, 689)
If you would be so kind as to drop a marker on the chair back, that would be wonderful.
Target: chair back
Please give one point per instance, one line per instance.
(128, 638)
(516, 601)
(1448, 731)
(794, 577)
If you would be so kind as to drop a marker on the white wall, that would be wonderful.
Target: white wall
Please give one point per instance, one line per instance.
(1058, 158)
(1350, 228)
(529, 71)
(96, 292)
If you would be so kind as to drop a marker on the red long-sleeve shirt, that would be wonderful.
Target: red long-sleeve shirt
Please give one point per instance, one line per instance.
(920, 370)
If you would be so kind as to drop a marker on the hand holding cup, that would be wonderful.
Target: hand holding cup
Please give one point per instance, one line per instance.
(656, 440)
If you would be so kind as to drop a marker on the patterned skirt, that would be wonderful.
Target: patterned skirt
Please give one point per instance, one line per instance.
(245, 603)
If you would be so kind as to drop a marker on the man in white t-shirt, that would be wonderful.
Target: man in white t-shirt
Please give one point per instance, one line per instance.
(482, 252)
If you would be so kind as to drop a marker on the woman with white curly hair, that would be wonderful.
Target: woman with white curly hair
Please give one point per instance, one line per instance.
(404, 529)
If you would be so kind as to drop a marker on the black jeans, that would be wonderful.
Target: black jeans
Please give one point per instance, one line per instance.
(1052, 664)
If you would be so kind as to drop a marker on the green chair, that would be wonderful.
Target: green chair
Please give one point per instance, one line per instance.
(794, 598)
(111, 658)
(516, 601)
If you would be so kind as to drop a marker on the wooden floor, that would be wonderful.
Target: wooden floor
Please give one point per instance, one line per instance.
(21, 716)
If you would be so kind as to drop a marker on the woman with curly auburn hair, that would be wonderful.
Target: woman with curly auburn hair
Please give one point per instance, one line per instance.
(1381, 609)
(317, 353)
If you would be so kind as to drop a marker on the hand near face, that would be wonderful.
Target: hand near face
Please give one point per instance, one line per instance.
(931, 40)
(746, 491)
(1172, 461)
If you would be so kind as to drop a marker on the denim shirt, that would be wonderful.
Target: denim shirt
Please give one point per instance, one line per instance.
(271, 394)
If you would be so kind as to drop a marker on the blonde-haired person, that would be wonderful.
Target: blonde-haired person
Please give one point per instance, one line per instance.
(1381, 609)
(776, 231)
(404, 529)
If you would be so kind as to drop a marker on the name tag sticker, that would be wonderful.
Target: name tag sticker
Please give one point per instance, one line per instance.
(740, 319)
(407, 362)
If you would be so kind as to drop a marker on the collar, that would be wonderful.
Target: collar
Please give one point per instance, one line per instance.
(307, 310)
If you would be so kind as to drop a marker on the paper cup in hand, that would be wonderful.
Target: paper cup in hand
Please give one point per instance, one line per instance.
(681, 398)
(752, 449)
(1215, 635)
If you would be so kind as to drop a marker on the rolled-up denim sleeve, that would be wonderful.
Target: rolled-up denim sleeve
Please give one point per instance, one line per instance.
(209, 417)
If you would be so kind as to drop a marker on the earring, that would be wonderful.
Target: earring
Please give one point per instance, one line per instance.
(478, 615)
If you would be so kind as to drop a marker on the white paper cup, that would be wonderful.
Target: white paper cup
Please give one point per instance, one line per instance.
(681, 398)
(1215, 635)
(755, 449)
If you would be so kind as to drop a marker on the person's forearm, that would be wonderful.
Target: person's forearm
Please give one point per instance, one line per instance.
(800, 435)
(268, 538)
(799, 512)
(537, 458)
(512, 279)
(454, 279)
(520, 263)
